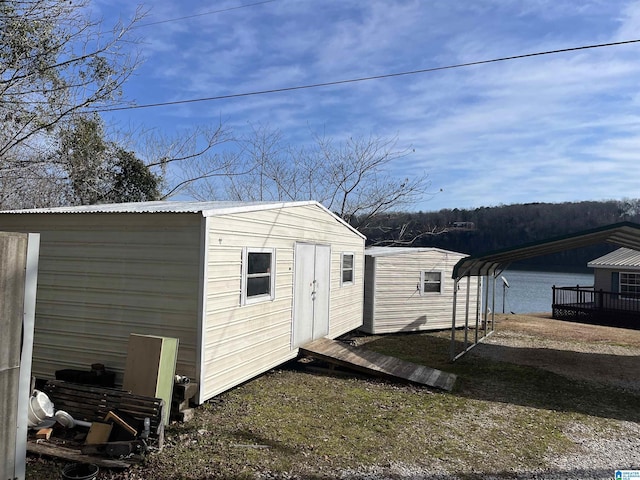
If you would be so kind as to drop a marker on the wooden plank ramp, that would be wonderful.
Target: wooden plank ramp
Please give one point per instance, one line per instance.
(338, 353)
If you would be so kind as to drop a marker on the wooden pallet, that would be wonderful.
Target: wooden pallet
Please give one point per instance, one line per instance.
(92, 403)
(370, 362)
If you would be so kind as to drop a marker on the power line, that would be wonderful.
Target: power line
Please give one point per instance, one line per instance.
(201, 14)
(364, 79)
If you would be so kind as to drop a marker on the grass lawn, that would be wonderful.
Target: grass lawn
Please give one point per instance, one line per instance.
(290, 423)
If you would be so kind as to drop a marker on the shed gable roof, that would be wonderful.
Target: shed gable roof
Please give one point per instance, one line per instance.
(206, 209)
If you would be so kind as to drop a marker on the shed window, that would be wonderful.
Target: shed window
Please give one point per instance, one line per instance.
(430, 282)
(630, 285)
(258, 275)
(347, 268)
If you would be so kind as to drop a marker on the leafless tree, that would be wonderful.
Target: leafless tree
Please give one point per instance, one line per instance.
(403, 234)
(352, 178)
(34, 185)
(629, 208)
(259, 169)
(357, 182)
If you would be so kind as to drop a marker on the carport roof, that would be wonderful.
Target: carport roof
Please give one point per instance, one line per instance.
(623, 234)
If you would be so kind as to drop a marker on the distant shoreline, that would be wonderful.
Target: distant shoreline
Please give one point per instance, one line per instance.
(549, 268)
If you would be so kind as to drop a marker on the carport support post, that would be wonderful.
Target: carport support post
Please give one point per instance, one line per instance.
(478, 304)
(486, 305)
(452, 347)
(493, 306)
(466, 315)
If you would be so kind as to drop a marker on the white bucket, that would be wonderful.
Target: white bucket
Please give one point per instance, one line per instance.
(40, 407)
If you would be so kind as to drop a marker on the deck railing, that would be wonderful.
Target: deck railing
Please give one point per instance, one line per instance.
(584, 303)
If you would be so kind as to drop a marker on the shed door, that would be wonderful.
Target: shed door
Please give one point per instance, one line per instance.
(311, 293)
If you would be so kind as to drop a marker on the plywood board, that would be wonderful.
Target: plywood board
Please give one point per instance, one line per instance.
(150, 367)
(142, 367)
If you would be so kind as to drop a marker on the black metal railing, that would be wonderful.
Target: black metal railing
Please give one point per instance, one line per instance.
(584, 303)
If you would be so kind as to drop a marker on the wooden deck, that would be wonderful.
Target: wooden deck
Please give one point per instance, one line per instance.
(375, 363)
(599, 307)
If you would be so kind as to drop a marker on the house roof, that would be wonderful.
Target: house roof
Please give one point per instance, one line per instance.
(624, 234)
(620, 258)
(390, 251)
(206, 209)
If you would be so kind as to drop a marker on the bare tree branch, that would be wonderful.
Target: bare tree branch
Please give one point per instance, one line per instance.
(351, 178)
(188, 158)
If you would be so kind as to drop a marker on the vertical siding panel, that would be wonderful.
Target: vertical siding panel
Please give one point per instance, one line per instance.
(13, 325)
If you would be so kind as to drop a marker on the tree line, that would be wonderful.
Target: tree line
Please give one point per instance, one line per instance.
(481, 230)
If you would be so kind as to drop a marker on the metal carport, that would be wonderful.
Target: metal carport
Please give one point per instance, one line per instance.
(492, 264)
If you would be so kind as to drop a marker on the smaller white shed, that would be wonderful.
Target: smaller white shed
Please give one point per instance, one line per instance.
(410, 289)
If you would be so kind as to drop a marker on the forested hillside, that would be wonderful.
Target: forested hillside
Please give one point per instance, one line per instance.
(490, 228)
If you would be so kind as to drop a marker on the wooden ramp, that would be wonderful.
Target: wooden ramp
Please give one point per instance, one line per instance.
(370, 362)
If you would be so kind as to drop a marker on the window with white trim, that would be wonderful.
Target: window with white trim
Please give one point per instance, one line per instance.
(630, 285)
(430, 282)
(258, 275)
(347, 269)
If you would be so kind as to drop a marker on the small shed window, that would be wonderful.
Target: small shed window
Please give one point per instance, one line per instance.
(430, 282)
(630, 285)
(258, 274)
(347, 268)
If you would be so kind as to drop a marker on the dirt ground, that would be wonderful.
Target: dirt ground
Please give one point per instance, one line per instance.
(575, 350)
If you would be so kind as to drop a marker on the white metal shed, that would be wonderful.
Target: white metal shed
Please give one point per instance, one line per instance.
(241, 285)
(411, 289)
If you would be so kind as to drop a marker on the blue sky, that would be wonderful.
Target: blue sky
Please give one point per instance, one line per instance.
(555, 128)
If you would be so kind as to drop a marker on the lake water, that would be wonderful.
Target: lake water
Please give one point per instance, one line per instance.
(531, 292)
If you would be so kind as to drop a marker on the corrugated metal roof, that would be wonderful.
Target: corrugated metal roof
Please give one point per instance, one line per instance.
(389, 251)
(206, 208)
(624, 234)
(622, 257)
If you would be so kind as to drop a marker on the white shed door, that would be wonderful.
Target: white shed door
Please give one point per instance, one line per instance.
(311, 293)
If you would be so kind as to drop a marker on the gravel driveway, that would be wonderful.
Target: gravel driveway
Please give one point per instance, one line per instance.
(610, 356)
(583, 352)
